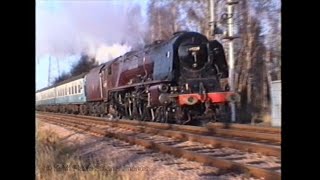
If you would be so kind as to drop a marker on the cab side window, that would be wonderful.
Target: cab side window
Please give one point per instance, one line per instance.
(109, 70)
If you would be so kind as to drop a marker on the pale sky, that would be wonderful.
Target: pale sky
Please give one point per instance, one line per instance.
(63, 26)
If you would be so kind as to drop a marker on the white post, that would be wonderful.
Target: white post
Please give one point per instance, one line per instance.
(230, 4)
(211, 32)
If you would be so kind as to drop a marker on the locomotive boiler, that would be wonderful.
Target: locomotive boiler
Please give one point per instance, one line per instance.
(177, 80)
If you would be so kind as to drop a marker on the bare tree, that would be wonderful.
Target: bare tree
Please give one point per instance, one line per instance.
(163, 19)
(135, 35)
(255, 62)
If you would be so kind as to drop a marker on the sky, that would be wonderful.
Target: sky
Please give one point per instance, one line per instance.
(66, 28)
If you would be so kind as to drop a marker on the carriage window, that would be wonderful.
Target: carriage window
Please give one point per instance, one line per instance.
(79, 89)
(72, 90)
(76, 90)
(69, 90)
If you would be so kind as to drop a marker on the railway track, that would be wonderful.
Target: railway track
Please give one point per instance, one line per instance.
(255, 143)
(255, 159)
(265, 135)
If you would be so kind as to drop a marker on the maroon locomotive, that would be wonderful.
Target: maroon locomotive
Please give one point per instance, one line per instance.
(177, 81)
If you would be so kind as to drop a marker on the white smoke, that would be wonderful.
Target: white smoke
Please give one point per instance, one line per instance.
(106, 53)
(98, 28)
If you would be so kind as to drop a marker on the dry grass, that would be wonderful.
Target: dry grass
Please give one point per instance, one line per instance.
(57, 160)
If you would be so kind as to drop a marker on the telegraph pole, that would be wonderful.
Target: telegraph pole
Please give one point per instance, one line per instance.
(230, 37)
(58, 67)
(49, 72)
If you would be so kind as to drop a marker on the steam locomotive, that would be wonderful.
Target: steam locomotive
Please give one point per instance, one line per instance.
(172, 81)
